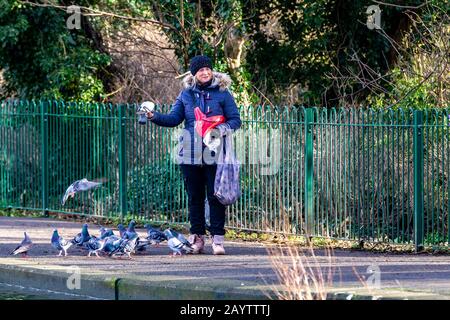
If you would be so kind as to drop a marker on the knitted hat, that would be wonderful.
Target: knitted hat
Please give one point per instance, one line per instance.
(199, 62)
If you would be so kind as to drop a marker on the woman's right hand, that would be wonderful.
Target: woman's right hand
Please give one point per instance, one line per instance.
(148, 108)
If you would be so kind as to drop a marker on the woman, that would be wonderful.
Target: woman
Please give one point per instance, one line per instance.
(207, 90)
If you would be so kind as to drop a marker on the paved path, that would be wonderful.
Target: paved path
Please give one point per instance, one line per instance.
(244, 273)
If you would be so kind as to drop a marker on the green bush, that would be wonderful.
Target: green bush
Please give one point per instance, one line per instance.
(156, 189)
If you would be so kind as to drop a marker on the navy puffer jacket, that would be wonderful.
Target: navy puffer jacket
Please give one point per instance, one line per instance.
(213, 100)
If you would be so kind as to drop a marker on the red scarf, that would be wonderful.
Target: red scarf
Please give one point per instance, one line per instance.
(203, 124)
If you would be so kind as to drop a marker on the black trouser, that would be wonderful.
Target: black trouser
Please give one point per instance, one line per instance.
(197, 178)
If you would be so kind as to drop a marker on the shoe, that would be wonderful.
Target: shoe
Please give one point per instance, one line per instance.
(217, 245)
(198, 243)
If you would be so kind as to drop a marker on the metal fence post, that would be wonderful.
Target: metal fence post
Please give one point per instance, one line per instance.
(122, 161)
(309, 172)
(44, 156)
(418, 179)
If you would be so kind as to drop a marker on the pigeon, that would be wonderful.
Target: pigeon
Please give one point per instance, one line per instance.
(60, 244)
(100, 246)
(116, 246)
(155, 236)
(130, 233)
(180, 237)
(106, 245)
(95, 245)
(104, 233)
(23, 247)
(175, 244)
(130, 246)
(82, 237)
(124, 246)
(142, 245)
(78, 186)
(111, 244)
(122, 230)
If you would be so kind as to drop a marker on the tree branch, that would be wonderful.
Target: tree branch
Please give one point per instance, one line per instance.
(101, 13)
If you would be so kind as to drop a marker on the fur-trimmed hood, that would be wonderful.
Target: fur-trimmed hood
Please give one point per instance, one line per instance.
(221, 80)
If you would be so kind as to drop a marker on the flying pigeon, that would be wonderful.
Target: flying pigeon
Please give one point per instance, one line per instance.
(175, 244)
(155, 236)
(23, 247)
(60, 244)
(78, 186)
(82, 237)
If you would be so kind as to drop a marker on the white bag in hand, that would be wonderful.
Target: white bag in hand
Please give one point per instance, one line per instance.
(145, 108)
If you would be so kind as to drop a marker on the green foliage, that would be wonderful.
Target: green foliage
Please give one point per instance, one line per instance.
(289, 45)
(43, 59)
(420, 78)
(148, 188)
(193, 34)
(407, 92)
(325, 46)
(203, 31)
(301, 45)
(434, 238)
(242, 86)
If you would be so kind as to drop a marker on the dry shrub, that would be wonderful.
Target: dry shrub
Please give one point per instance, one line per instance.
(148, 64)
(300, 274)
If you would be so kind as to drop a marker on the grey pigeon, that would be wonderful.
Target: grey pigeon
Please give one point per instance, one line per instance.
(104, 233)
(180, 237)
(117, 246)
(130, 233)
(155, 236)
(78, 186)
(60, 244)
(122, 230)
(24, 246)
(111, 244)
(176, 245)
(83, 237)
(94, 245)
(142, 245)
(124, 246)
(130, 246)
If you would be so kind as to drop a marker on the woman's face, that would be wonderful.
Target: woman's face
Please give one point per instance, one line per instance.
(203, 75)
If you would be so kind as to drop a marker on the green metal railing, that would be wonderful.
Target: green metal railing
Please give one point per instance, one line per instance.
(373, 175)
